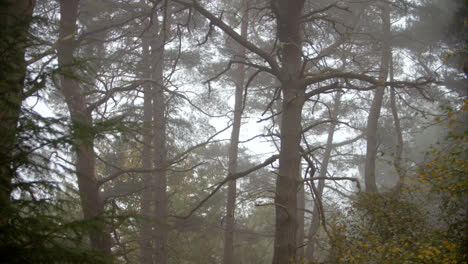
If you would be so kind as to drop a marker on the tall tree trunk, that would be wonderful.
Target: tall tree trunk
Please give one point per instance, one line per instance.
(159, 145)
(81, 119)
(228, 256)
(287, 184)
(374, 112)
(288, 15)
(315, 223)
(14, 22)
(146, 243)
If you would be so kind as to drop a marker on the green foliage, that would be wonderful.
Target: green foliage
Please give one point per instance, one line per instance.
(424, 224)
(39, 224)
(38, 232)
(447, 170)
(383, 229)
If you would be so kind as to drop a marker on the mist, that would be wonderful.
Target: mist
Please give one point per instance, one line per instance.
(233, 132)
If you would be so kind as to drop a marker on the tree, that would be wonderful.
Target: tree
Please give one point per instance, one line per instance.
(36, 226)
(374, 112)
(15, 21)
(146, 247)
(146, 85)
(228, 257)
(161, 31)
(289, 70)
(82, 125)
(316, 217)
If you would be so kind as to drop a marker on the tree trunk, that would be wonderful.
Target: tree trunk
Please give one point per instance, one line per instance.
(160, 151)
(374, 112)
(399, 137)
(81, 119)
(315, 223)
(146, 243)
(300, 218)
(14, 23)
(287, 184)
(288, 15)
(228, 256)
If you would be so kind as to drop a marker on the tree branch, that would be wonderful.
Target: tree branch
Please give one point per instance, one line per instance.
(230, 177)
(335, 179)
(233, 34)
(164, 166)
(111, 92)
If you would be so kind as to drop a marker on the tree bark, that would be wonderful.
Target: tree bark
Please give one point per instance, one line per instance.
(287, 184)
(228, 256)
(300, 218)
(146, 243)
(288, 15)
(14, 21)
(374, 112)
(82, 123)
(315, 223)
(159, 145)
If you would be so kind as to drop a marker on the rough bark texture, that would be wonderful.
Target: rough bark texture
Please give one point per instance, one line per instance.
(81, 119)
(14, 21)
(374, 112)
(160, 151)
(228, 256)
(288, 14)
(287, 184)
(146, 245)
(315, 223)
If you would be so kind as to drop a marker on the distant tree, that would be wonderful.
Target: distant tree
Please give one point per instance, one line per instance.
(230, 227)
(317, 209)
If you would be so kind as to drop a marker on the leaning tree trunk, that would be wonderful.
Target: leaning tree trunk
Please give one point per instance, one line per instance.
(374, 112)
(228, 256)
(315, 223)
(288, 15)
(14, 22)
(81, 119)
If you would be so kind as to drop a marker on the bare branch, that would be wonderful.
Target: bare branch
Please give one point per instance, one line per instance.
(320, 77)
(335, 179)
(230, 177)
(322, 89)
(309, 15)
(164, 166)
(232, 33)
(346, 142)
(111, 93)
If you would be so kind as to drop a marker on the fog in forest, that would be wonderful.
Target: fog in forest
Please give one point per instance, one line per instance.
(233, 132)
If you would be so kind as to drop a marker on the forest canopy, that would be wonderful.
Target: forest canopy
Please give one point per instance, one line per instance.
(244, 131)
